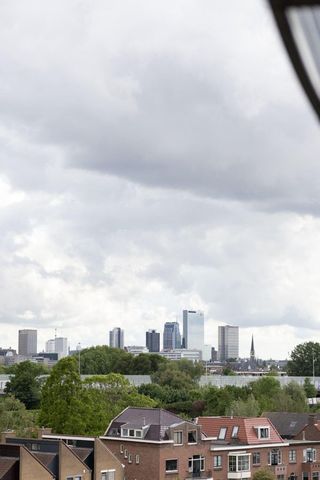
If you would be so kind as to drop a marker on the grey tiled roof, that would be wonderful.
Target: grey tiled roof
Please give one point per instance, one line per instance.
(289, 424)
(157, 419)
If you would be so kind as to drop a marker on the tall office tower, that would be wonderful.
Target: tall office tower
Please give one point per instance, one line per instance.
(58, 345)
(228, 342)
(116, 338)
(193, 330)
(153, 341)
(171, 336)
(27, 342)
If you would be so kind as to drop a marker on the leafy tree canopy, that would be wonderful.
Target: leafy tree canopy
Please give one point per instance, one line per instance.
(24, 384)
(263, 474)
(14, 416)
(303, 357)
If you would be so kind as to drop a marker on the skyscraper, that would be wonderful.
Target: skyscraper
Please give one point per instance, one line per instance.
(193, 330)
(58, 345)
(27, 342)
(153, 341)
(228, 342)
(116, 338)
(171, 336)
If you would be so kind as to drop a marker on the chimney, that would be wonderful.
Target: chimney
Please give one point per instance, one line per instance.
(312, 419)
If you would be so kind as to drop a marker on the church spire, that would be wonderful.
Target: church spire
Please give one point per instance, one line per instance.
(252, 352)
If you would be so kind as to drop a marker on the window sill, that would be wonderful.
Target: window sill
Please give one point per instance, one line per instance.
(171, 471)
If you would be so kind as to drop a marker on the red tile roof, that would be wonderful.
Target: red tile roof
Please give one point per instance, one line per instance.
(247, 432)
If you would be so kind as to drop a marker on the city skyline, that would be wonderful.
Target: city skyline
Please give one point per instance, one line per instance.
(142, 177)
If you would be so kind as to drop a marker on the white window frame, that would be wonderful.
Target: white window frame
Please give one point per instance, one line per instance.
(202, 460)
(132, 432)
(181, 435)
(237, 456)
(168, 460)
(217, 461)
(137, 459)
(292, 456)
(196, 435)
(235, 431)
(256, 453)
(130, 458)
(262, 428)
(307, 451)
(108, 471)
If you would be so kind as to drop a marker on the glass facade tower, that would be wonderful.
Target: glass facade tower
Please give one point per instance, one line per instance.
(193, 330)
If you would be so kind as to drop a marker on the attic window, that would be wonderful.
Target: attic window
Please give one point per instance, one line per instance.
(263, 432)
(222, 433)
(235, 431)
(192, 436)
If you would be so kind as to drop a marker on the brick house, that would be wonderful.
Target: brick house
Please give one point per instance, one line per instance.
(240, 446)
(54, 458)
(155, 444)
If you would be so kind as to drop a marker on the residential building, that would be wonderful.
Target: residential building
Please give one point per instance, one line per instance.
(27, 342)
(228, 342)
(62, 457)
(57, 345)
(156, 444)
(153, 341)
(193, 329)
(171, 336)
(180, 353)
(116, 338)
(296, 426)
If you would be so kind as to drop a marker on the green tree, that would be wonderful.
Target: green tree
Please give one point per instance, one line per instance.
(244, 408)
(263, 474)
(305, 358)
(24, 383)
(64, 401)
(264, 391)
(14, 416)
(309, 388)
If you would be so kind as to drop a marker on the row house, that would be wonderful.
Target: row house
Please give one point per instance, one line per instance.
(51, 458)
(154, 443)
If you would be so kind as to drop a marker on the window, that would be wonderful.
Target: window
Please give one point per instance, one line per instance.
(235, 431)
(217, 461)
(315, 475)
(131, 432)
(256, 458)
(130, 458)
(121, 448)
(77, 477)
(305, 476)
(137, 459)
(309, 455)
(274, 457)
(177, 438)
(172, 465)
(280, 477)
(263, 432)
(196, 463)
(239, 462)
(192, 436)
(222, 433)
(108, 475)
(292, 456)
(125, 453)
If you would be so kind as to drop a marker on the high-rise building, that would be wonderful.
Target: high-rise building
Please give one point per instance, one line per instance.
(27, 342)
(171, 336)
(193, 329)
(228, 342)
(153, 341)
(116, 338)
(58, 345)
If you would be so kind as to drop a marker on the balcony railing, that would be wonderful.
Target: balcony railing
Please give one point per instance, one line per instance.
(206, 475)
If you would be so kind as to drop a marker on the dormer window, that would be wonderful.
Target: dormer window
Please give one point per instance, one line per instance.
(263, 432)
(131, 432)
(192, 436)
(222, 433)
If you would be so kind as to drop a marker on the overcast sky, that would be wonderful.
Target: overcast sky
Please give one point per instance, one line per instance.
(155, 156)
